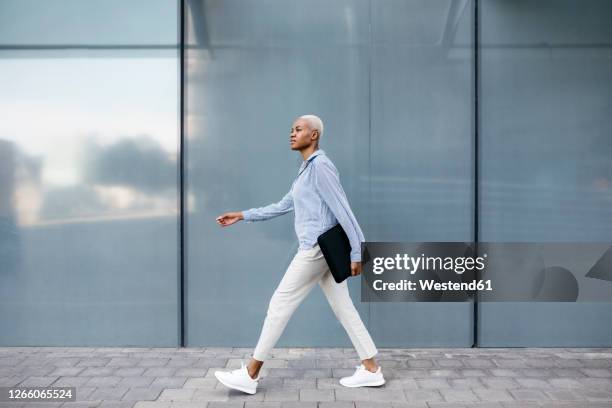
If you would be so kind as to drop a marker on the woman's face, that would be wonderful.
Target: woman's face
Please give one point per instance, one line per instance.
(301, 135)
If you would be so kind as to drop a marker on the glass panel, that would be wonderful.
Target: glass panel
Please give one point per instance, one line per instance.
(397, 108)
(252, 68)
(88, 174)
(421, 151)
(546, 98)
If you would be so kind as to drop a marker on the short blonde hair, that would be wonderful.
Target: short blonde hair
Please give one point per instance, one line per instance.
(314, 122)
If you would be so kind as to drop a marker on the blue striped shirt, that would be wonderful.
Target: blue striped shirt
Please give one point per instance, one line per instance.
(319, 203)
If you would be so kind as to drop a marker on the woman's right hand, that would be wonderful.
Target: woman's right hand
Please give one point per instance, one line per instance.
(229, 218)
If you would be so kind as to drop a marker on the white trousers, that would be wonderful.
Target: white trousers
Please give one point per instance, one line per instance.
(306, 269)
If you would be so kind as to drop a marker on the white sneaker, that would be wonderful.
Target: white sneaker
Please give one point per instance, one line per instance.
(238, 379)
(363, 378)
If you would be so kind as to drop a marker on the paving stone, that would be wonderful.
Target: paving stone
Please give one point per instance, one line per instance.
(269, 384)
(562, 395)
(448, 363)
(108, 393)
(316, 395)
(456, 395)
(131, 382)
(564, 383)
(103, 381)
(222, 404)
(285, 372)
(446, 405)
(169, 382)
(433, 383)
(336, 404)
(510, 363)
(116, 404)
(122, 362)
(327, 383)
(152, 404)
(524, 394)
(97, 371)
(596, 372)
(142, 393)
(66, 371)
(80, 404)
(599, 383)
(353, 394)
(568, 372)
(478, 363)
(211, 395)
(536, 372)
(83, 393)
(281, 395)
(342, 372)
(422, 395)
(177, 394)
(474, 372)
(159, 372)
(263, 404)
(153, 362)
(541, 362)
(299, 383)
(181, 362)
(594, 395)
(318, 373)
(386, 394)
(129, 371)
(533, 383)
(499, 382)
(414, 363)
(302, 363)
(190, 372)
(439, 373)
(207, 383)
(93, 362)
(492, 394)
(38, 381)
(298, 404)
(464, 383)
(373, 404)
(504, 372)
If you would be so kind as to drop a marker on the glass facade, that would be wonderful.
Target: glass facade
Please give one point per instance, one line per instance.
(546, 152)
(90, 159)
(88, 173)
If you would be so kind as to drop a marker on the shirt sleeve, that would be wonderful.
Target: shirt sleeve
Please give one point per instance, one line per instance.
(271, 210)
(327, 183)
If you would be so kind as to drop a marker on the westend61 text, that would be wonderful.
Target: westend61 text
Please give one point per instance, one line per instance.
(430, 284)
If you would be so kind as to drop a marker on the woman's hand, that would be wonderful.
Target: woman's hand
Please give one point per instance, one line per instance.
(229, 218)
(355, 268)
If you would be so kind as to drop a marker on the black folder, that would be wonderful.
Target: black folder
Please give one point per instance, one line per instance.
(336, 249)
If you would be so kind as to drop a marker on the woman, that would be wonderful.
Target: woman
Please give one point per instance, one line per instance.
(319, 202)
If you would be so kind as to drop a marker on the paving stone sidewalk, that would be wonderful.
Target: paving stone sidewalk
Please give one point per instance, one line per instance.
(308, 377)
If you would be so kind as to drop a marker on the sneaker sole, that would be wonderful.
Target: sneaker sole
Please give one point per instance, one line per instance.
(370, 384)
(235, 387)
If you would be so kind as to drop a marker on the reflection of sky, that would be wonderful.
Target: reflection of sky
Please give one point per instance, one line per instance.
(49, 106)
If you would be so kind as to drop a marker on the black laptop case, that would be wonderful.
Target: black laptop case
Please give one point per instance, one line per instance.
(336, 249)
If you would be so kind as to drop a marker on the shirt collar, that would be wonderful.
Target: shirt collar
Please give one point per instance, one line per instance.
(312, 156)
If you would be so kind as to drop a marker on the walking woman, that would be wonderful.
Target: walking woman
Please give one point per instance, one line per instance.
(319, 203)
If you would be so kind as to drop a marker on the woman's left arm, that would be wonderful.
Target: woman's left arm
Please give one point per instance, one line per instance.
(327, 183)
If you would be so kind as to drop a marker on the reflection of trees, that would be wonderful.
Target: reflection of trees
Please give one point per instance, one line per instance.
(71, 201)
(139, 163)
(133, 174)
